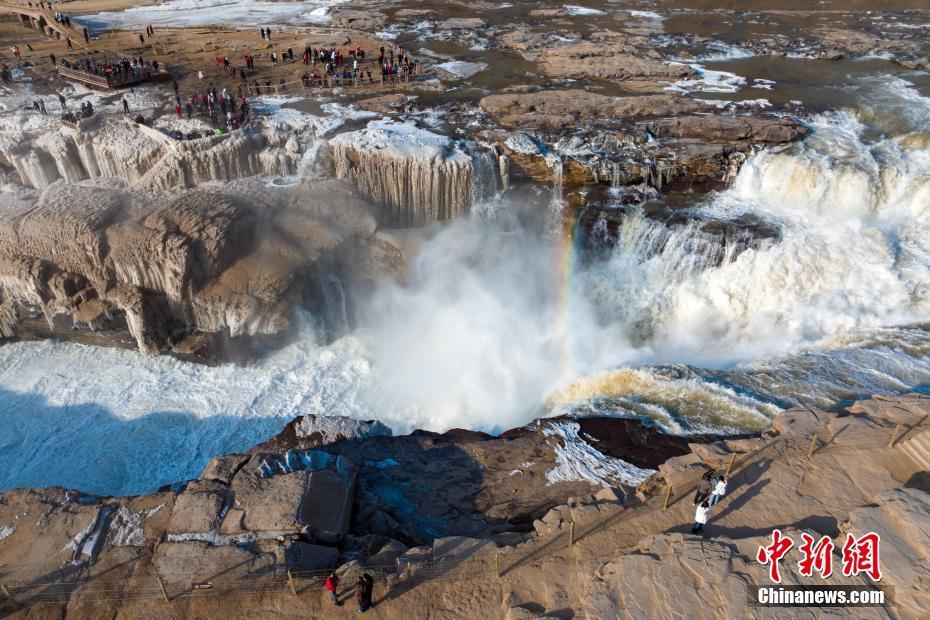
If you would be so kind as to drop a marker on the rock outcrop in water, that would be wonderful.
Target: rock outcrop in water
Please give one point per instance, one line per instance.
(554, 109)
(174, 267)
(626, 59)
(656, 140)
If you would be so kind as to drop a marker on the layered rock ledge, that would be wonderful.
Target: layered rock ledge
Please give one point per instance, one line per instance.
(171, 270)
(584, 138)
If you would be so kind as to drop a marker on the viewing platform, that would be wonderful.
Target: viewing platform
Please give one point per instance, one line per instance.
(114, 81)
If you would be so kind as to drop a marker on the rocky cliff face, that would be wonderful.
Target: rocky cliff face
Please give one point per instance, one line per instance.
(146, 157)
(171, 265)
(415, 176)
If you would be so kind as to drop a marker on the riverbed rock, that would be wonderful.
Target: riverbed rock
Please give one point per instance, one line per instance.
(854, 483)
(271, 504)
(557, 108)
(315, 431)
(459, 23)
(182, 564)
(612, 61)
(223, 468)
(328, 506)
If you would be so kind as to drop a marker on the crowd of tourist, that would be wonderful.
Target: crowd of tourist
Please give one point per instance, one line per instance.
(222, 108)
(116, 72)
(325, 66)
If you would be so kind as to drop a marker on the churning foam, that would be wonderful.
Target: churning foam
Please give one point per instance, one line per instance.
(678, 404)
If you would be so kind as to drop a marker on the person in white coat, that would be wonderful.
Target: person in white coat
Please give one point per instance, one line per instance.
(701, 514)
(719, 491)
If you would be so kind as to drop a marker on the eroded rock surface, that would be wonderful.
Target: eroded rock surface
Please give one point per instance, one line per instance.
(416, 176)
(171, 266)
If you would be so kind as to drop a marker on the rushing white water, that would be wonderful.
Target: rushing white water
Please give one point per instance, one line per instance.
(670, 326)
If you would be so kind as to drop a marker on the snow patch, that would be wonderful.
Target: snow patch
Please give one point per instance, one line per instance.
(274, 109)
(724, 51)
(722, 104)
(434, 54)
(576, 460)
(401, 141)
(462, 69)
(7, 531)
(126, 527)
(333, 428)
(708, 81)
(574, 9)
(646, 15)
(763, 83)
(214, 538)
(184, 125)
(86, 543)
(522, 143)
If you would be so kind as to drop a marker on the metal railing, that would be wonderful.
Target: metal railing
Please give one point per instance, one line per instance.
(144, 581)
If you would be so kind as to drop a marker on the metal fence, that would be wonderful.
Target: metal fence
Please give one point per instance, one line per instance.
(80, 584)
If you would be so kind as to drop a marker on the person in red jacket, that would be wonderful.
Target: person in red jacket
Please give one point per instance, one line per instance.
(332, 584)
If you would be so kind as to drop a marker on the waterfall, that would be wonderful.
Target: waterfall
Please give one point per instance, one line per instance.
(600, 229)
(486, 177)
(555, 164)
(693, 330)
(308, 161)
(615, 175)
(503, 164)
